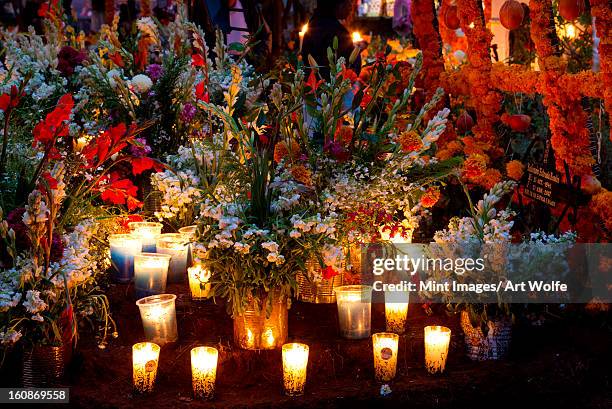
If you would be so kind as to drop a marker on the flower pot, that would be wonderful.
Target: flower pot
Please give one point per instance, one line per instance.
(314, 289)
(43, 366)
(254, 329)
(492, 346)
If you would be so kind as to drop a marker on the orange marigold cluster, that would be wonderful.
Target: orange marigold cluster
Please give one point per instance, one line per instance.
(301, 174)
(287, 151)
(411, 141)
(474, 166)
(601, 204)
(430, 197)
(515, 169)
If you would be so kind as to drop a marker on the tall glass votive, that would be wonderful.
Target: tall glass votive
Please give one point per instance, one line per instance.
(158, 316)
(384, 347)
(176, 245)
(396, 310)
(199, 284)
(204, 371)
(437, 339)
(123, 248)
(148, 232)
(150, 273)
(189, 232)
(145, 359)
(354, 310)
(295, 363)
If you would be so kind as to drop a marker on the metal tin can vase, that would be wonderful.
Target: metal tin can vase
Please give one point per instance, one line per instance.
(492, 346)
(43, 366)
(314, 289)
(255, 329)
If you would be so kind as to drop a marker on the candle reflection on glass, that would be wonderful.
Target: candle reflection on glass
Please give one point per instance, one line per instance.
(354, 310)
(177, 246)
(198, 281)
(123, 248)
(158, 315)
(145, 359)
(204, 371)
(437, 339)
(148, 232)
(150, 273)
(295, 363)
(384, 347)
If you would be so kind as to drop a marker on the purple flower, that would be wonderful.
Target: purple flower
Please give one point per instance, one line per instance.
(139, 151)
(155, 71)
(188, 113)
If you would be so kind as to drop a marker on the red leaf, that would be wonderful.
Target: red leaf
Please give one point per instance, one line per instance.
(201, 92)
(198, 61)
(5, 101)
(139, 165)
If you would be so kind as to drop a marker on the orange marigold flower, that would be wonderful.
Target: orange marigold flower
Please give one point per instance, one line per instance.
(601, 204)
(410, 141)
(489, 178)
(283, 151)
(301, 174)
(515, 169)
(344, 134)
(474, 166)
(430, 197)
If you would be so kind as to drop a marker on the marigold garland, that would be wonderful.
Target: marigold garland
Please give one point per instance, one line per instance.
(602, 12)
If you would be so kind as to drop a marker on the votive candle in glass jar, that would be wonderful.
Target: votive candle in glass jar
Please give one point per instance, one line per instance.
(176, 245)
(396, 310)
(198, 281)
(384, 347)
(204, 371)
(354, 310)
(148, 232)
(145, 359)
(123, 248)
(189, 232)
(295, 363)
(437, 339)
(150, 273)
(159, 318)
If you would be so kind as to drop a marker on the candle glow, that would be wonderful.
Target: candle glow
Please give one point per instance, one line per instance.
(384, 347)
(198, 281)
(145, 358)
(148, 232)
(123, 248)
(150, 273)
(354, 310)
(295, 363)
(396, 310)
(204, 371)
(437, 339)
(176, 246)
(356, 36)
(158, 315)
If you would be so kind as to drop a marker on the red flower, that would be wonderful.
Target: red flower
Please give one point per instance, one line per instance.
(312, 82)
(198, 61)
(430, 197)
(54, 126)
(120, 192)
(201, 93)
(329, 272)
(141, 164)
(117, 59)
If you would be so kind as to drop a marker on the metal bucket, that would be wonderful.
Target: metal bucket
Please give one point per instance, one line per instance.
(317, 292)
(43, 366)
(492, 346)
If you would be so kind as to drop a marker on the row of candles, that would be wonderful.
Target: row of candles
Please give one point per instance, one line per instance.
(204, 361)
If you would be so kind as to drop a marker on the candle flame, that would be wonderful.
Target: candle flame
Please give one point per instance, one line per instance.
(304, 30)
(356, 37)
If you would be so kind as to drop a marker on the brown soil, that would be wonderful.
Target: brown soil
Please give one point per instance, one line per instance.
(566, 364)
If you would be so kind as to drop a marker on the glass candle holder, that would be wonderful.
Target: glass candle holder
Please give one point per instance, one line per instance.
(198, 281)
(354, 310)
(204, 371)
(145, 358)
(384, 347)
(295, 362)
(396, 310)
(176, 245)
(123, 248)
(148, 232)
(437, 339)
(150, 273)
(158, 316)
(189, 232)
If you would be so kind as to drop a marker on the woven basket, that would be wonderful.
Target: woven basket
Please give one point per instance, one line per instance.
(321, 292)
(43, 367)
(495, 345)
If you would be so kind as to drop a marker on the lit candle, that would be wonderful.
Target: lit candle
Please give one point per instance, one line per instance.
(150, 273)
(384, 347)
(437, 339)
(354, 310)
(148, 232)
(198, 281)
(295, 362)
(301, 34)
(204, 371)
(356, 37)
(177, 246)
(145, 357)
(396, 310)
(158, 316)
(190, 233)
(123, 248)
